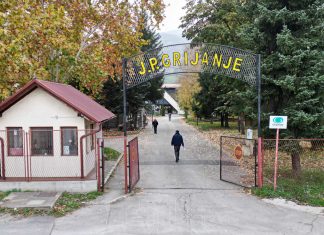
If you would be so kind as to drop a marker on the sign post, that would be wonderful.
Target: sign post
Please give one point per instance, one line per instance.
(277, 122)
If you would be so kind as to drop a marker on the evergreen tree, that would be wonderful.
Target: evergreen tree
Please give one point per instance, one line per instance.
(154, 91)
(139, 95)
(220, 22)
(289, 36)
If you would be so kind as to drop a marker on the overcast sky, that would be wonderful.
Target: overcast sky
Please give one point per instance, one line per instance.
(173, 12)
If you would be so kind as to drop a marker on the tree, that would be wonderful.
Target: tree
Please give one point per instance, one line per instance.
(205, 100)
(289, 36)
(78, 42)
(112, 95)
(187, 91)
(154, 88)
(219, 22)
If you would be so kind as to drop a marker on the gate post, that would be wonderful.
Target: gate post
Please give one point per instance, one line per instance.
(220, 157)
(98, 165)
(102, 146)
(258, 82)
(125, 122)
(2, 159)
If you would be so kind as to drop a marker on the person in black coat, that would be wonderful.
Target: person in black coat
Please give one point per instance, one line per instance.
(177, 141)
(155, 124)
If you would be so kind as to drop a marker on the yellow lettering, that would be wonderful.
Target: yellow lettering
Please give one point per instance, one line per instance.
(228, 63)
(176, 59)
(166, 61)
(205, 59)
(143, 71)
(197, 58)
(237, 63)
(217, 60)
(185, 58)
(153, 62)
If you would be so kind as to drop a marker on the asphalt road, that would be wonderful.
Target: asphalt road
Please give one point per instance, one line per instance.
(173, 198)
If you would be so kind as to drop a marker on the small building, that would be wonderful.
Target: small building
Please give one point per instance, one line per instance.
(169, 100)
(48, 131)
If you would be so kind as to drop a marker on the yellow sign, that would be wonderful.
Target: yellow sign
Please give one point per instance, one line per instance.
(182, 59)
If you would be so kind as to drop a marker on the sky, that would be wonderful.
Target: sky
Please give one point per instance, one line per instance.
(173, 13)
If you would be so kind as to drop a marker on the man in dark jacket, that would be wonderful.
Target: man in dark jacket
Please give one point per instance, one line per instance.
(155, 124)
(177, 141)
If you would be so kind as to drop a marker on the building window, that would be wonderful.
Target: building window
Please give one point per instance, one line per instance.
(69, 142)
(15, 141)
(42, 141)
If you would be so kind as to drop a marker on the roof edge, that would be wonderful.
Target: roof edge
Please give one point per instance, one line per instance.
(32, 85)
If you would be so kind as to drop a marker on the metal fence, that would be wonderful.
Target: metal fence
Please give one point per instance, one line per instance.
(297, 158)
(47, 154)
(238, 160)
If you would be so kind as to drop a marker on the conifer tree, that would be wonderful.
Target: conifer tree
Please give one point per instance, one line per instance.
(289, 36)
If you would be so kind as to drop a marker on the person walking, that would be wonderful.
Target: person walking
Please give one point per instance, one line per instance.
(155, 124)
(170, 113)
(177, 141)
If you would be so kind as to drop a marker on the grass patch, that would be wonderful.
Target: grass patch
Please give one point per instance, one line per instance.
(67, 203)
(111, 154)
(306, 190)
(4, 194)
(207, 125)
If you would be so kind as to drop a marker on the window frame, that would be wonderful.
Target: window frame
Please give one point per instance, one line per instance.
(31, 138)
(77, 140)
(8, 142)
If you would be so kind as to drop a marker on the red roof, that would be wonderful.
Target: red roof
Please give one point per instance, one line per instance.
(67, 94)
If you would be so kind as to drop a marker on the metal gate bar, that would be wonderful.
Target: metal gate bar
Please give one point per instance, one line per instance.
(238, 161)
(134, 173)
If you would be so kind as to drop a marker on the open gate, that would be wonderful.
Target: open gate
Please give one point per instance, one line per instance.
(133, 161)
(238, 161)
(196, 58)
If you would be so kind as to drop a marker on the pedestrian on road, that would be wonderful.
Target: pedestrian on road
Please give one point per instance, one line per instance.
(155, 124)
(177, 141)
(170, 113)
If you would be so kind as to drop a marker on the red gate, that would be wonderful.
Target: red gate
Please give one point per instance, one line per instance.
(134, 174)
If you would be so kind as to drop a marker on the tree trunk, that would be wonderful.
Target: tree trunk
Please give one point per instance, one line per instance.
(242, 123)
(239, 124)
(226, 120)
(222, 120)
(186, 113)
(296, 166)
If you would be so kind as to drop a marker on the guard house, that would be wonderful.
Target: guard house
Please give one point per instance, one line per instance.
(48, 131)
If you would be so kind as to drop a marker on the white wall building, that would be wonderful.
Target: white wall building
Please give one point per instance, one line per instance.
(48, 131)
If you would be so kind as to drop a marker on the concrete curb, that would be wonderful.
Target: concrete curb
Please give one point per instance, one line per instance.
(121, 198)
(113, 168)
(292, 205)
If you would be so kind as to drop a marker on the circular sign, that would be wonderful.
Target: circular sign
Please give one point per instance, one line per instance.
(278, 120)
(238, 152)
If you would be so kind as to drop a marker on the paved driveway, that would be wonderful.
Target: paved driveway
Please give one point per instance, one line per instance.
(184, 198)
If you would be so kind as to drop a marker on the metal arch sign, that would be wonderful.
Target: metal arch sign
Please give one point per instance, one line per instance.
(191, 58)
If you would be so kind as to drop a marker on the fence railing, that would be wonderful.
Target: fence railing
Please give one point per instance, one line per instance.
(47, 154)
(297, 158)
